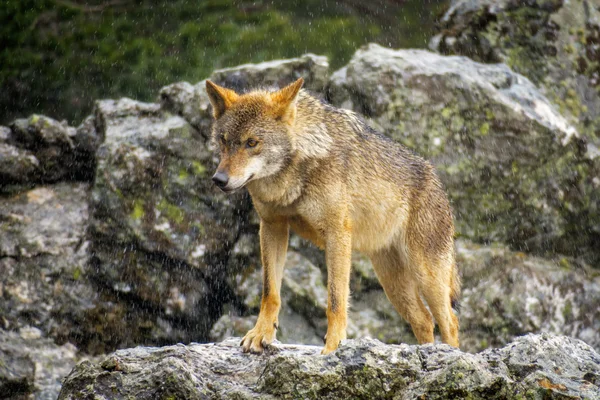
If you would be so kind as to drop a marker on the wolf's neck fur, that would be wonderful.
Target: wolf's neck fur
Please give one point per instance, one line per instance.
(312, 143)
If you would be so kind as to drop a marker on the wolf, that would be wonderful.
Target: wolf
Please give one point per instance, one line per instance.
(325, 174)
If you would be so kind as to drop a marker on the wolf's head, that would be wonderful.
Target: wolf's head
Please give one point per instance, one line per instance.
(252, 132)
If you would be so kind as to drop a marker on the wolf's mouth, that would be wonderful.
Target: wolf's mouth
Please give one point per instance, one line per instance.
(231, 190)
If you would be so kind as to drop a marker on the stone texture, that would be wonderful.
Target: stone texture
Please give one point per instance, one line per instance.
(515, 169)
(191, 101)
(507, 294)
(44, 260)
(32, 367)
(554, 43)
(365, 369)
(161, 230)
(42, 150)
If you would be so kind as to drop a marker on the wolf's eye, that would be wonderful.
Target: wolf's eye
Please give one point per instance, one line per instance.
(222, 140)
(251, 143)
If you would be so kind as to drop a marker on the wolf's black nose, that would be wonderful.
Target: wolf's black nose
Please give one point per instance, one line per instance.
(220, 179)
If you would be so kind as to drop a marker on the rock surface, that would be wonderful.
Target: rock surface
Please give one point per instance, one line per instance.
(507, 294)
(42, 150)
(44, 260)
(515, 169)
(533, 366)
(191, 101)
(554, 43)
(161, 231)
(32, 367)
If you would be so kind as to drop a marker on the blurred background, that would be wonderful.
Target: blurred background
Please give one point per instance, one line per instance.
(59, 55)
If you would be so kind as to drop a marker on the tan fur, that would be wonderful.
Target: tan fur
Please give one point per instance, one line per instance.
(323, 173)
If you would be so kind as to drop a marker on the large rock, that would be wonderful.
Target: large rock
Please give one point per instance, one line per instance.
(32, 367)
(515, 169)
(507, 294)
(544, 366)
(161, 231)
(42, 150)
(191, 101)
(554, 43)
(44, 253)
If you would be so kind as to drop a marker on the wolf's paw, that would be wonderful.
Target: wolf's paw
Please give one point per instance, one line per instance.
(259, 338)
(332, 341)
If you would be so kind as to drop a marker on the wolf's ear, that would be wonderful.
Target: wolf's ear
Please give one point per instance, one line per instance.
(285, 101)
(220, 98)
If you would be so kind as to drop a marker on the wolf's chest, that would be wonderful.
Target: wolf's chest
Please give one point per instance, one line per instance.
(302, 227)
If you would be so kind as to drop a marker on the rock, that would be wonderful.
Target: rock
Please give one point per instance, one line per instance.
(32, 367)
(42, 150)
(366, 368)
(276, 73)
(507, 294)
(191, 101)
(516, 171)
(44, 253)
(161, 231)
(553, 43)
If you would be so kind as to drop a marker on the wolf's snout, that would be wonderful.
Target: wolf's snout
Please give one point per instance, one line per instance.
(220, 179)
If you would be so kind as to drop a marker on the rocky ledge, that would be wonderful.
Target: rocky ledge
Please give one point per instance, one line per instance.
(531, 367)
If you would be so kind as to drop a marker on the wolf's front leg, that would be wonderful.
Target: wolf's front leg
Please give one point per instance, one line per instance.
(338, 253)
(273, 248)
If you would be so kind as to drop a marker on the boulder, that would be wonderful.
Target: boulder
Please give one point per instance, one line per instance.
(44, 254)
(516, 171)
(39, 149)
(533, 366)
(507, 294)
(31, 366)
(277, 73)
(554, 43)
(191, 101)
(161, 231)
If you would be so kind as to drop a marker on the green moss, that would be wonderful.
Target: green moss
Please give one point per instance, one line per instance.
(484, 129)
(198, 168)
(138, 209)
(183, 175)
(446, 112)
(569, 48)
(172, 212)
(564, 263)
(77, 273)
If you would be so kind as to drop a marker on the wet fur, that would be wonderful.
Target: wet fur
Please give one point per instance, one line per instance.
(325, 174)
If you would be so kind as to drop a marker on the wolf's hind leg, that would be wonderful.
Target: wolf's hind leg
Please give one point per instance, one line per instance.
(436, 288)
(402, 289)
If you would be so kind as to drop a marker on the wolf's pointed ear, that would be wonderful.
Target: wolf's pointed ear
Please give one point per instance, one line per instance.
(285, 101)
(220, 98)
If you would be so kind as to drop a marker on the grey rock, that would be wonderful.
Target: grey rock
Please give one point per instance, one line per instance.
(161, 231)
(507, 294)
(515, 169)
(32, 367)
(366, 368)
(44, 256)
(551, 42)
(45, 150)
(191, 102)
(16, 165)
(276, 73)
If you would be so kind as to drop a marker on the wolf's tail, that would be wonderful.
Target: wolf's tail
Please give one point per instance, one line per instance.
(455, 288)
